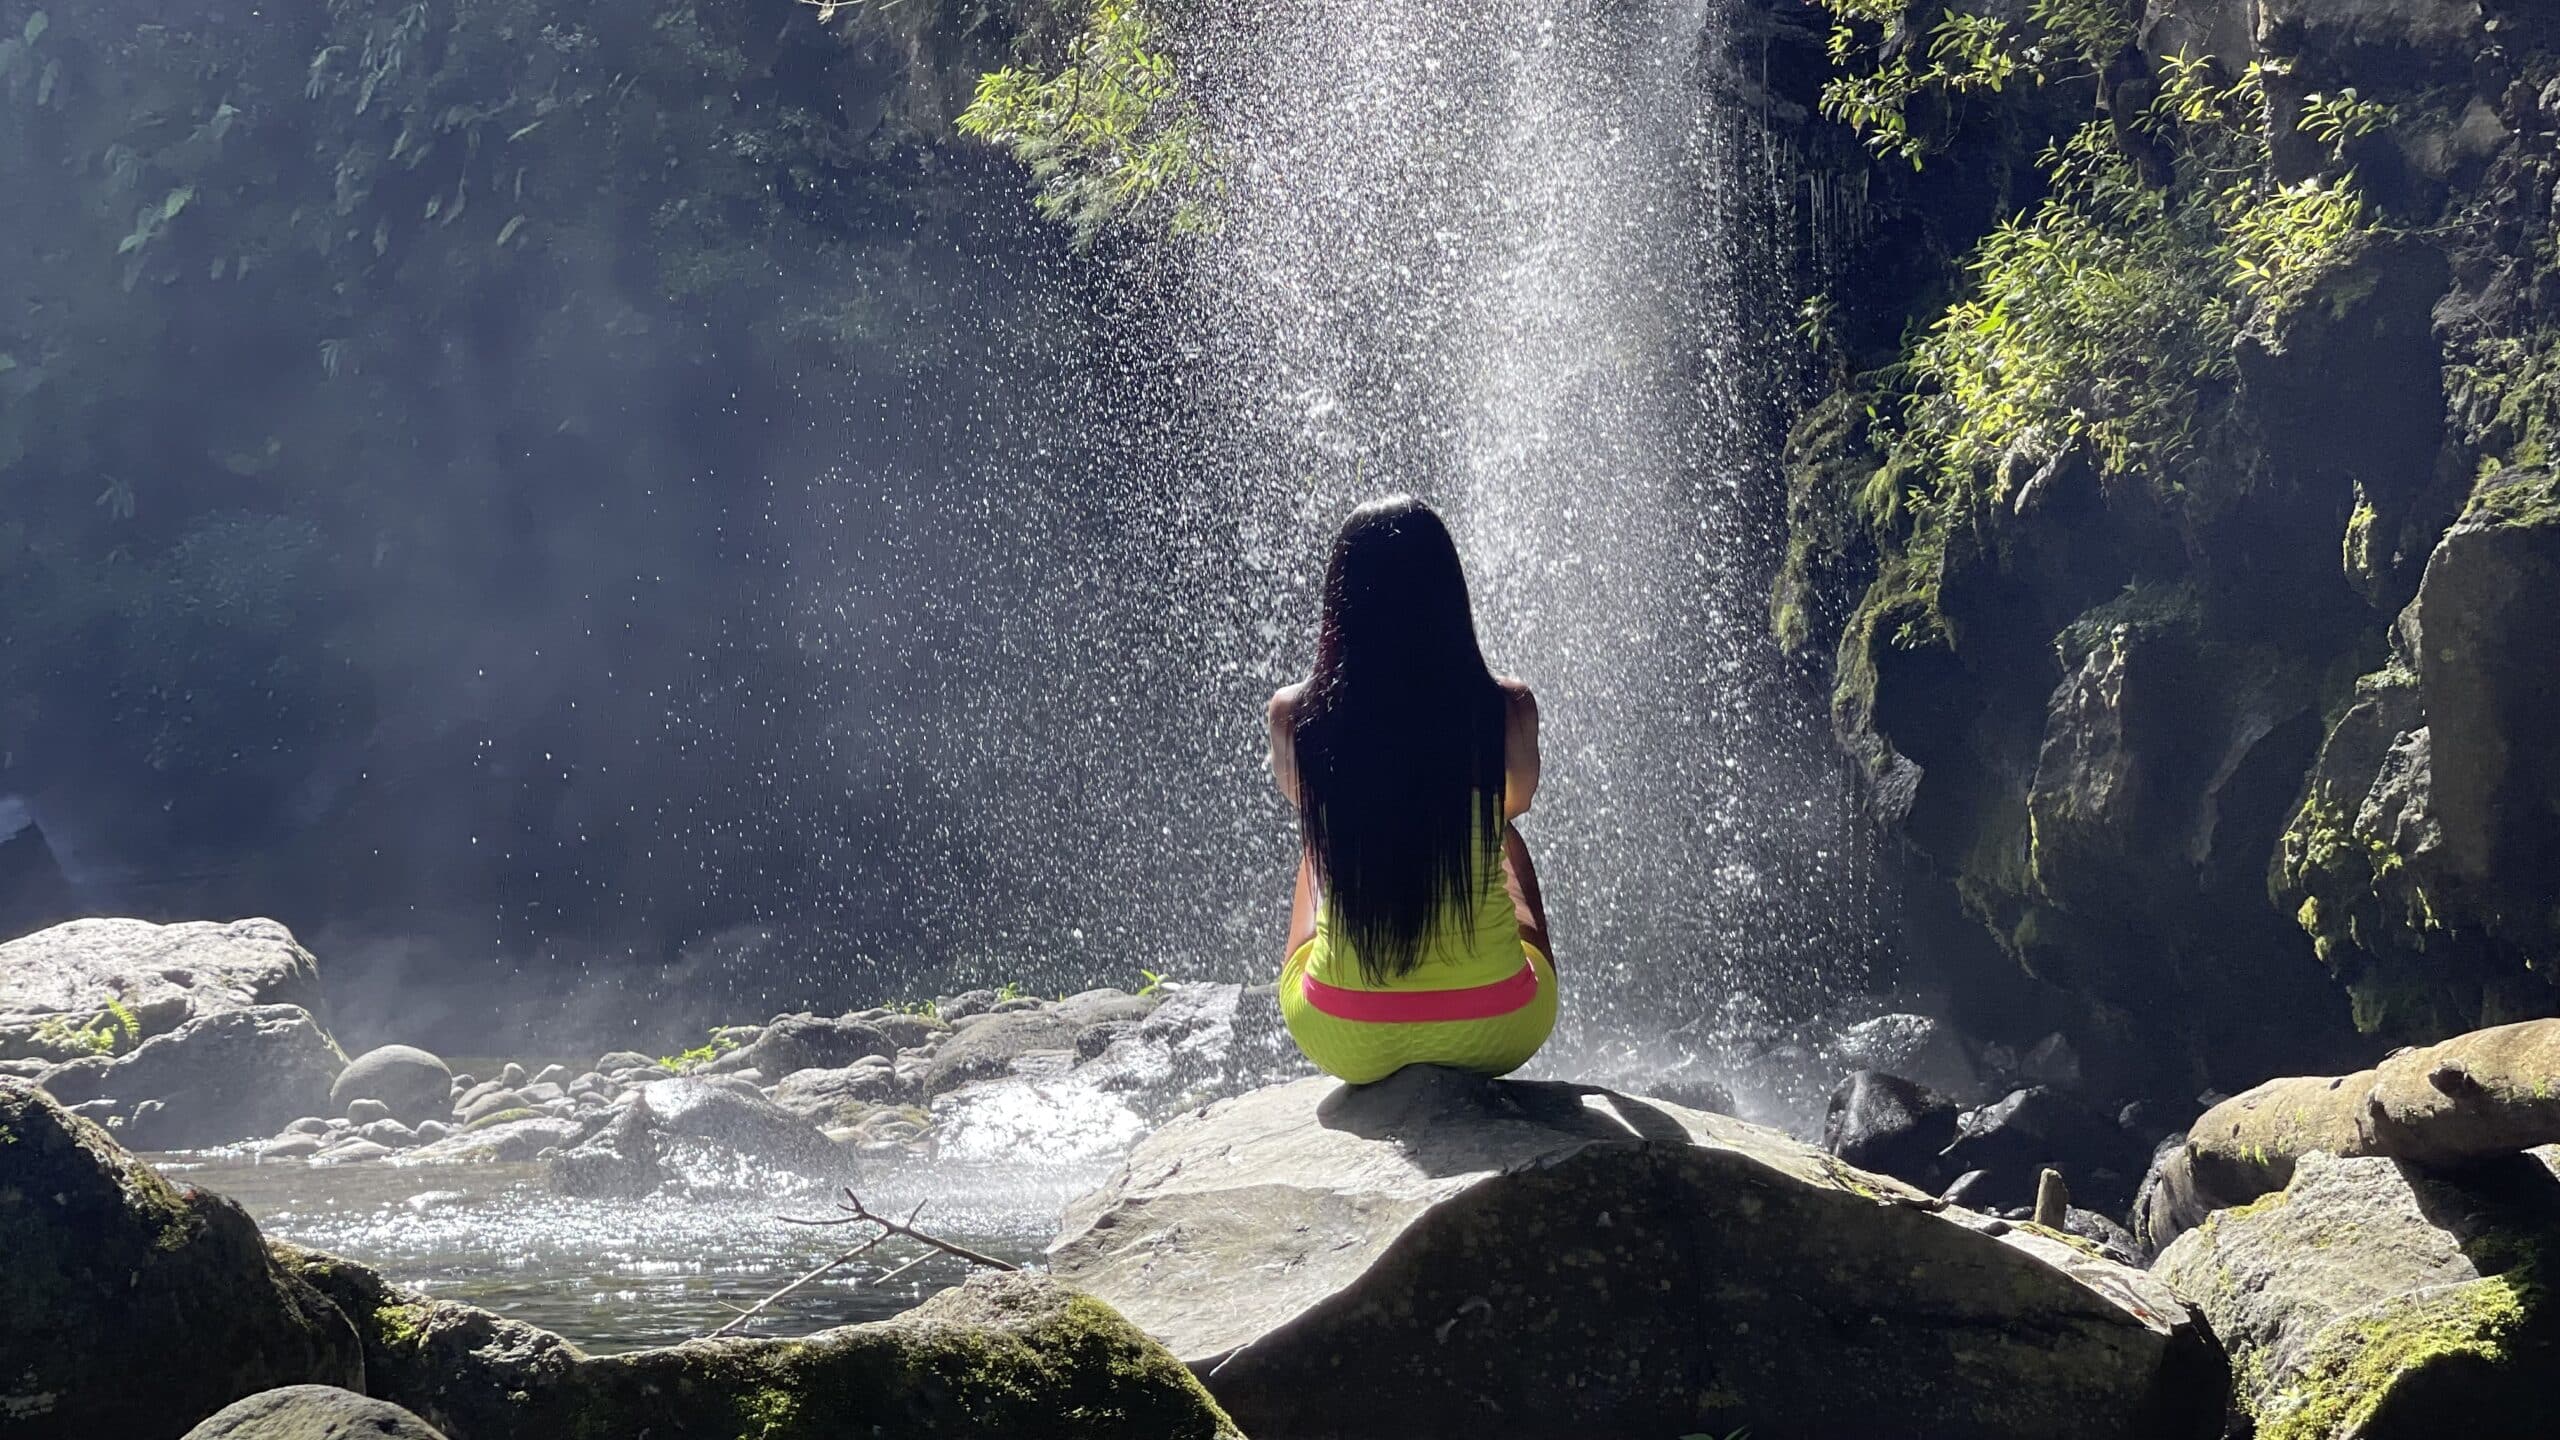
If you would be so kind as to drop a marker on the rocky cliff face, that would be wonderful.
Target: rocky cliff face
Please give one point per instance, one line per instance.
(2179, 525)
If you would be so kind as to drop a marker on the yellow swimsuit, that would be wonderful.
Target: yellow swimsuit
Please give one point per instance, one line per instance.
(1482, 998)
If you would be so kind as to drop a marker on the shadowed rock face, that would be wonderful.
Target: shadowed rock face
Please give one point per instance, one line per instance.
(130, 1307)
(1437, 1254)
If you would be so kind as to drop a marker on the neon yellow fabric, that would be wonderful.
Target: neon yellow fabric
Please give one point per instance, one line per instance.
(1363, 1052)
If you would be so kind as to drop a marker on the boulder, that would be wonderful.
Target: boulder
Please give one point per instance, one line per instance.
(1914, 1046)
(410, 1083)
(989, 1047)
(1001, 1356)
(503, 1138)
(482, 1103)
(823, 1096)
(2246, 1146)
(164, 975)
(2491, 1092)
(113, 1274)
(1892, 1126)
(1442, 1255)
(908, 1032)
(231, 1075)
(965, 1004)
(2016, 1138)
(806, 1042)
(313, 1412)
(1103, 1006)
(2372, 1299)
(705, 1112)
(619, 1161)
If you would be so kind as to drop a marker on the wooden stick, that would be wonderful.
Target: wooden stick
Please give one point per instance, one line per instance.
(856, 1213)
(743, 1316)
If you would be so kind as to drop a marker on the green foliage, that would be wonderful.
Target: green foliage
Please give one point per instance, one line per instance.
(687, 1061)
(1877, 80)
(111, 1031)
(1109, 136)
(1154, 982)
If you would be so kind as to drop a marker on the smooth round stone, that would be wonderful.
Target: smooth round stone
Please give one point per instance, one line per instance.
(365, 1112)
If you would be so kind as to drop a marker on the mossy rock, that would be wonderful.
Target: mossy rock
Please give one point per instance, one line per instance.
(132, 1307)
(1002, 1355)
(2373, 1300)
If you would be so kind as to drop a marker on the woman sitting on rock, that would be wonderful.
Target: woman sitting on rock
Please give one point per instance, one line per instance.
(1418, 935)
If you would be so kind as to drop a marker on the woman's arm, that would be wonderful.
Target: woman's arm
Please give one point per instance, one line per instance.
(1520, 749)
(1281, 713)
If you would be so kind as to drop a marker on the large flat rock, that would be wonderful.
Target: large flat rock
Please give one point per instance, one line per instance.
(166, 975)
(1440, 1255)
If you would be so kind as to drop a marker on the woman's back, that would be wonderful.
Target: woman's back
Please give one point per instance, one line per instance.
(1417, 936)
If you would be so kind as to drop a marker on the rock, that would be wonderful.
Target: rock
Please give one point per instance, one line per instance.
(365, 1112)
(2491, 1092)
(512, 1076)
(2113, 1240)
(1892, 1126)
(388, 1132)
(131, 1307)
(619, 1161)
(820, 1096)
(410, 1084)
(1001, 1357)
(542, 1092)
(1914, 1046)
(2373, 1300)
(988, 1048)
(308, 1125)
(312, 1412)
(552, 1075)
(746, 1123)
(965, 1004)
(2053, 1062)
(290, 1147)
(2245, 1146)
(1095, 1038)
(2019, 1135)
(165, 975)
(430, 1131)
(806, 1042)
(616, 1061)
(227, 1076)
(352, 1151)
(484, 1103)
(1440, 1255)
(474, 1094)
(908, 1032)
(1104, 1006)
(503, 1140)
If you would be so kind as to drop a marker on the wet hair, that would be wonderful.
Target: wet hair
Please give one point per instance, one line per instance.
(1398, 739)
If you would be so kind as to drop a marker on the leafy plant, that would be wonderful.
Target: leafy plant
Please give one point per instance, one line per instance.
(1154, 982)
(712, 1048)
(1110, 137)
(110, 1031)
(1009, 990)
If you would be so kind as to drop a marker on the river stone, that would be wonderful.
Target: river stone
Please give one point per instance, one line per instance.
(907, 1032)
(739, 1120)
(291, 1147)
(822, 1096)
(2375, 1300)
(1001, 1357)
(1441, 1255)
(613, 1062)
(131, 1307)
(2245, 1147)
(806, 1042)
(364, 1112)
(988, 1047)
(503, 1141)
(2491, 1092)
(313, 1412)
(231, 1075)
(1103, 1006)
(411, 1084)
(166, 975)
(1892, 1126)
(619, 1161)
(956, 1008)
(2016, 1138)
(483, 1103)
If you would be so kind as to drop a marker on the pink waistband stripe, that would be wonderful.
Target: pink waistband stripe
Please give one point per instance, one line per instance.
(1422, 1007)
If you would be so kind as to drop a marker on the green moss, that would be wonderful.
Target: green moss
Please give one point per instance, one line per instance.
(500, 1118)
(401, 1326)
(2352, 1375)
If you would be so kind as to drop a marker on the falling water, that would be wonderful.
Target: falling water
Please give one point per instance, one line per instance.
(1486, 253)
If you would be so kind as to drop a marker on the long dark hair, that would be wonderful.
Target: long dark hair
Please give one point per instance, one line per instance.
(1398, 738)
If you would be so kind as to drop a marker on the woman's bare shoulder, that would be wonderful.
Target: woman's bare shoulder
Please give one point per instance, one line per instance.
(1517, 691)
(1284, 701)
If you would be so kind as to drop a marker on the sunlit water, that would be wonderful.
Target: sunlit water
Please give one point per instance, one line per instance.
(619, 1274)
